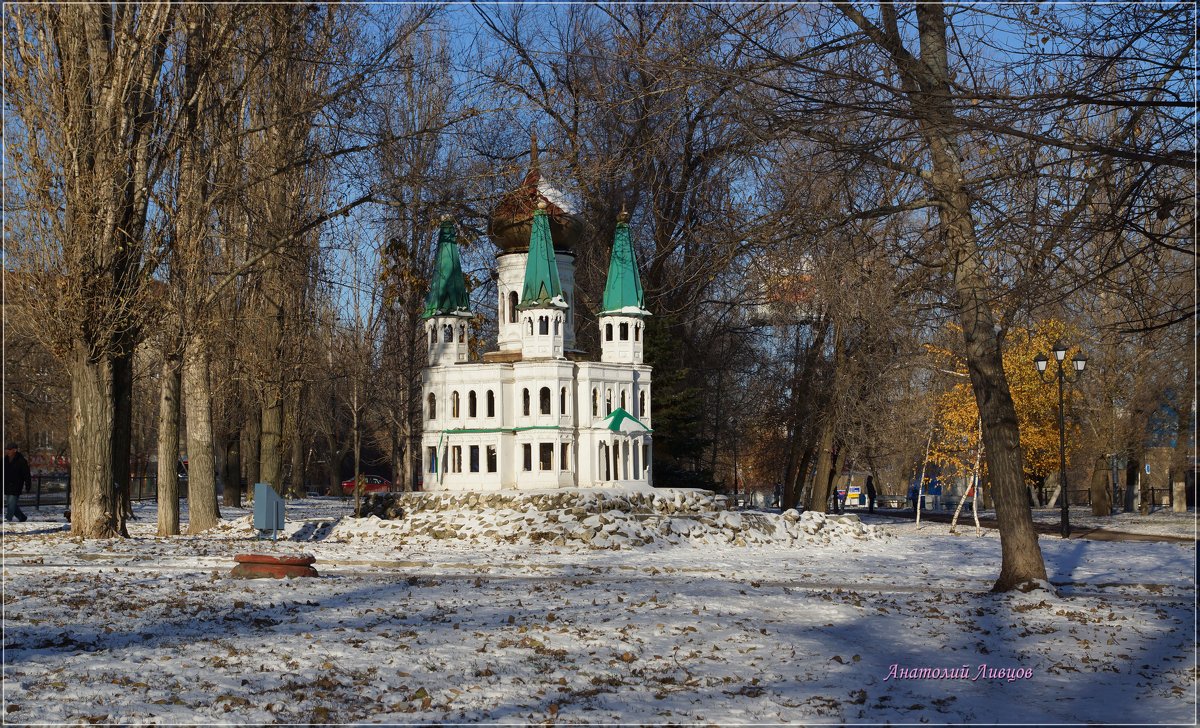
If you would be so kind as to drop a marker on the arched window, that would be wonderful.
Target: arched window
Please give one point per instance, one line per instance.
(595, 403)
(642, 404)
(608, 332)
(623, 400)
(525, 401)
(448, 334)
(637, 332)
(530, 322)
(454, 404)
(556, 320)
(462, 333)
(624, 331)
(512, 307)
(471, 404)
(432, 335)
(432, 406)
(544, 400)
(491, 404)
(562, 401)
(543, 325)
(607, 402)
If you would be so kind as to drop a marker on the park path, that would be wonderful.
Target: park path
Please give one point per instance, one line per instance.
(1045, 529)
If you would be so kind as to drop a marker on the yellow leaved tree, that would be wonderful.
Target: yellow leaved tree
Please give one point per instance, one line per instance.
(956, 443)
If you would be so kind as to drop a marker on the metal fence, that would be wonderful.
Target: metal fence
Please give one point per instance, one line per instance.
(54, 489)
(1159, 498)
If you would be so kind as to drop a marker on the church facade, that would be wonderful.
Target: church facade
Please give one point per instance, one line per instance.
(532, 414)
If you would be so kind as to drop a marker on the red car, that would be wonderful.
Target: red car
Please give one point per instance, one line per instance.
(371, 484)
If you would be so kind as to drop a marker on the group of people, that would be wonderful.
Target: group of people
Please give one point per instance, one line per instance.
(839, 499)
(16, 480)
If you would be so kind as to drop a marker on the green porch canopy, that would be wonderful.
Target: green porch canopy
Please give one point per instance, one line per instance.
(623, 422)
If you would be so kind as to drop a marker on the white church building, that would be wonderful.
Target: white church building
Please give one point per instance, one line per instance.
(532, 414)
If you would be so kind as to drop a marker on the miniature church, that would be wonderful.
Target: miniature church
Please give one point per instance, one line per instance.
(532, 414)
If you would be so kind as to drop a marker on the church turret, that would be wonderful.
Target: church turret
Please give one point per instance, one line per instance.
(510, 227)
(543, 311)
(622, 329)
(447, 308)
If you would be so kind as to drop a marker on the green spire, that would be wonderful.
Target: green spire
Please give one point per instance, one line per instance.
(541, 271)
(623, 290)
(448, 292)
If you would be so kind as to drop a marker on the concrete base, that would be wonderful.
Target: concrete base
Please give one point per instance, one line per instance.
(1179, 496)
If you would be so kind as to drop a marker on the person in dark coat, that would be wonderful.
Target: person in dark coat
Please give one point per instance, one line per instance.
(871, 494)
(16, 480)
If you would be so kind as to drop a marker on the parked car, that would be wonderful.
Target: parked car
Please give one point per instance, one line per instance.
(371, 484)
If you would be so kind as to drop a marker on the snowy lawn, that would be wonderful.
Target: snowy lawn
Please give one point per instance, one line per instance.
(400, 629)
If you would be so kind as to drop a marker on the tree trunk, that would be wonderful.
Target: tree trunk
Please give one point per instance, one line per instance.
(1101, 493)
(357, 451)
(818, 499)
(122, 435)
(203, 513)
(793, 486)
(1180, 462)
(94, 510)
(270, 455)
(839, 461)
(168, 447)
(1132, 466)
(297, 484)
(334, 473)
(1021, 555)
(396, 454)
(251, 435)
(233, 471)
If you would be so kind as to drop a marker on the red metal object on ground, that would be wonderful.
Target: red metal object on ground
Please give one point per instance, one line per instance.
(264, 566)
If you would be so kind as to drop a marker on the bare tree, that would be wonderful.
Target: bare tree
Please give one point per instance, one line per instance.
(84, 84)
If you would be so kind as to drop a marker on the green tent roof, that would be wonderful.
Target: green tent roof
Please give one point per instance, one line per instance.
(448, 292)
(541, 271)
(623, 290)
(622, 421)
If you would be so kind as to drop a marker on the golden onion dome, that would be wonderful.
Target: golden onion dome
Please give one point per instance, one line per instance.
(512, 219)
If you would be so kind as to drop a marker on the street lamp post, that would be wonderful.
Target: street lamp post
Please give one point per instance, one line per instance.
(1078, 362)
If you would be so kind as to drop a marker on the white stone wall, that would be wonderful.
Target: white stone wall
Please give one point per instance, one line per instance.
(622, 339)
(447, 337)
(608, 381)
(510, 269)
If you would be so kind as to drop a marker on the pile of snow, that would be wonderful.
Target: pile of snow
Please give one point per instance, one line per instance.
(581, 519)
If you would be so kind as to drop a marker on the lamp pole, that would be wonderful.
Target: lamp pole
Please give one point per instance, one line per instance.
(1078, 362)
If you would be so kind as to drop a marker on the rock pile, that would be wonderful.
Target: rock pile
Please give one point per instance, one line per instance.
(593, 519)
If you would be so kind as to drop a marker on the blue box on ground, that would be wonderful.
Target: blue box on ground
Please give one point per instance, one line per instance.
(268, 509)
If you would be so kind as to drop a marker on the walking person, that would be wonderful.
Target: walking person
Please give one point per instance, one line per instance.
(16, 480)
(871, 494)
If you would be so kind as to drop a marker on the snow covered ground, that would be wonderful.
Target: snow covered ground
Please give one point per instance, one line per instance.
(795, 627)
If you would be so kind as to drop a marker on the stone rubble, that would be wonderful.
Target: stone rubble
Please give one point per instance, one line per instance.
(591, 519)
